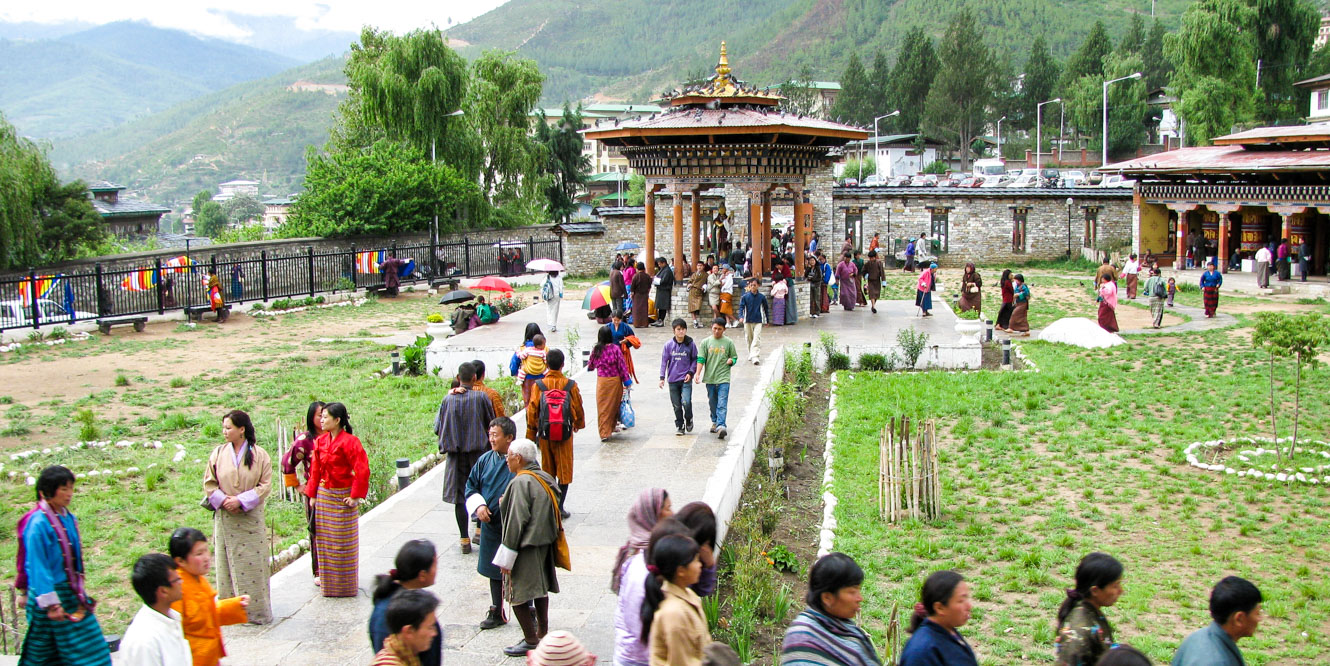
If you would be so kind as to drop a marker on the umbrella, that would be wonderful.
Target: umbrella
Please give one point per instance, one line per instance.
(627, 245)
(460, 296)
(597, 296)
(491, 283)
(544, 265)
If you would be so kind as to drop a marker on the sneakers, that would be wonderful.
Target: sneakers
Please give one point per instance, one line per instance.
(689, 426)
(466, 546)
(721, 432)
(493, 619)
(714, 427)
(679, 431)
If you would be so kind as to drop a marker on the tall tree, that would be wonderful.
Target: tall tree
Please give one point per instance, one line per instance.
(502, 93)
(879, 88)
(1155, 65)
(24, 171)
(1128, 111)
(566, 165)
(1134, 39)
(963, 89)
(68, 220)
(1041, 79)
(242, 208)
(1215, 58)
(800, 95)
(1284, 32)
(1089, 58)
(852, 104)
(911, 79)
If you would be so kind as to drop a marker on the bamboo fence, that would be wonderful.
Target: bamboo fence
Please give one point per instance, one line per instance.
(908, 486)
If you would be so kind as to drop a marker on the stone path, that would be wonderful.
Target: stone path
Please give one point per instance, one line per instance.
(310, 629)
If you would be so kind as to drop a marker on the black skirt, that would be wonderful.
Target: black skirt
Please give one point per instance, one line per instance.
(1004, 315)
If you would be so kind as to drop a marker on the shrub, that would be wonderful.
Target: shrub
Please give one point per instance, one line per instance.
(838, 361)
(434, 318)
(319, 300)
(413, 355)
(58, 333)
(257, 307)
(87, 421)
(344, 284)
(507, 305)
(1189, 288)
(827, 341)
(912, 344)
(968, 314)
(121, 380)
(873, 362)
(36, 336)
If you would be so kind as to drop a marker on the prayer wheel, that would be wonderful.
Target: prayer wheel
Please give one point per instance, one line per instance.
(1210, 226)
(1253, 232)
(1298, 230)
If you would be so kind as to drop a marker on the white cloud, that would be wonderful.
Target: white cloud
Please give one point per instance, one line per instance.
(209, 17)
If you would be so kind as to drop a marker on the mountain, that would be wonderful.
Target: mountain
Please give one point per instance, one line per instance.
(98, 78)
(633, 49)
(282, 36)
(257, 130)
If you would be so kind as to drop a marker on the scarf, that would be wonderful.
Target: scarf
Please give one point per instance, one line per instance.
(73, 570)
(393, 645)
(818, 638)
(641, 520)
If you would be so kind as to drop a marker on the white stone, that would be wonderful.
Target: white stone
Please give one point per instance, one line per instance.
(94, 473)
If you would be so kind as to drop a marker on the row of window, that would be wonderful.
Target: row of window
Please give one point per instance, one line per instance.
(940, 222)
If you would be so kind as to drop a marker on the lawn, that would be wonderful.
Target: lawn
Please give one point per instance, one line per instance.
(174, 386)
(1040, 469)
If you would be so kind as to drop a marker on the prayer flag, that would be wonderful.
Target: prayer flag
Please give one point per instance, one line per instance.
(44, 287)
(143, 279)
(368, 262)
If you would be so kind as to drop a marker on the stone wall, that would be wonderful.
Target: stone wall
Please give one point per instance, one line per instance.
(980, 222)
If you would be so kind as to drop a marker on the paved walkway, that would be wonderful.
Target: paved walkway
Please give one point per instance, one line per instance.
(310, 629)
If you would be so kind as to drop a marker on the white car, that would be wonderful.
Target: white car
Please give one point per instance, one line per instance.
(1025, 180)
(874, 180)
(1072, 178)
(1116, 180)
(13, 314)
(995, 181)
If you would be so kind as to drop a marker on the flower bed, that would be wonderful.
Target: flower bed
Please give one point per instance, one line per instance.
(1310, 474)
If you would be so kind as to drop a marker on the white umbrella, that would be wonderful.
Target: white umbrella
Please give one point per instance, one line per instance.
(543, 265)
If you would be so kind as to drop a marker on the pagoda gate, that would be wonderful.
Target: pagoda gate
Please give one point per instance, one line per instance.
(726, 132)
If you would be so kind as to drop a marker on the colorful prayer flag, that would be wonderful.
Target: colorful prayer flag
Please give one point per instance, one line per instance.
(368, 262)
(181, 264)
(141, 280)
(46, 284)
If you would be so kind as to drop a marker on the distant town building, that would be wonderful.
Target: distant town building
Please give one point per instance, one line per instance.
(275, 212)
(896, 154)
(603, 159)
(1323, 34)
(233, 188)
(607, 189)
(125, 216)
(827, 91)
(325, 88)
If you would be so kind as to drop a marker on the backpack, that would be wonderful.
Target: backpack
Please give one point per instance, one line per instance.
(1161, 291)
(556, 415)
(547, 290)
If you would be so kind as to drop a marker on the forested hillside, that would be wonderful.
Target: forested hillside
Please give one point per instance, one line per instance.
(635, 48)
(256, 130)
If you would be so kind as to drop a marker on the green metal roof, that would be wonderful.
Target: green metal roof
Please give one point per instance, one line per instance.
(608, 177)
(611, 195)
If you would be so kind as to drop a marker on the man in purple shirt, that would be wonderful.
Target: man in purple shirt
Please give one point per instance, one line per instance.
(677, 363)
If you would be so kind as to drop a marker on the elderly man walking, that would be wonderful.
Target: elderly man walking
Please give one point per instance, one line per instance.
(462, 425)
(532, 544)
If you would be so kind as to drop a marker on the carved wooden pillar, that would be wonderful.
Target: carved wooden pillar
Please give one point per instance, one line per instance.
(1180, 253)
(697, 225)
(766, 234)
(678, 230)
(650, 203)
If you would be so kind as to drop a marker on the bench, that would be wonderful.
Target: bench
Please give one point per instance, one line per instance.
(375, 289)
(451, 282)
(196, 312)
(104, 325)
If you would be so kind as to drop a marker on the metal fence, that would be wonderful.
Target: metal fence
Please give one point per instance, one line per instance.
(48, 298)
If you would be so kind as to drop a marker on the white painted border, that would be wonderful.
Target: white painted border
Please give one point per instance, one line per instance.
(827, 535)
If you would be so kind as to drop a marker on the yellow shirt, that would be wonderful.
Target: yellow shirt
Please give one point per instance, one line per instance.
(202, 617)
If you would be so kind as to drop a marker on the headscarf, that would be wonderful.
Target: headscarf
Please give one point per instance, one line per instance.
(641, 520)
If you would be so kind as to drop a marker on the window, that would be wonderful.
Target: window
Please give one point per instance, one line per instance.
(939, 228)
(1091, 227)
(1322, 99)
(1018, 218)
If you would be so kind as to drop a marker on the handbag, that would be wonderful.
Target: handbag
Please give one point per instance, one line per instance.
(627, 416)
(562, 558)
(206, 502)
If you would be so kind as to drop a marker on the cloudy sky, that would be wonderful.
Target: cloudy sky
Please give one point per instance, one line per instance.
(210, 17)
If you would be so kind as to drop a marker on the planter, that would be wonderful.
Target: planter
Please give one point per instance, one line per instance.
(969, 329)
(439, 331)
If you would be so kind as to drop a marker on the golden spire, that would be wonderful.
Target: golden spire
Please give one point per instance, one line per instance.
(723, 68)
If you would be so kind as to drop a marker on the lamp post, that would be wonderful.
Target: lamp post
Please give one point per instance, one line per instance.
(1103, 161)
(1070, 203)
(434, 228)
(897, 112)
(999, 136)
(1062, 125)
(1039, 134)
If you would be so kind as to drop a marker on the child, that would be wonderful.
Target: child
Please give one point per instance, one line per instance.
(1172, 289)
(532, 365)
(714, 361)
(677, 363)
(411, 620)
(202, 615)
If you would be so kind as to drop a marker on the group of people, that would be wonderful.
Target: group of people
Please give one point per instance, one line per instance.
(510, 261)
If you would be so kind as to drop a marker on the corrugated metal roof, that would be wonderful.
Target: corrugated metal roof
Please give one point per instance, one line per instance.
(1224, 158)
(128, 207)
(691, 118)
(1268, 135)
(984, 192)
(580, 228)
(1315, 82)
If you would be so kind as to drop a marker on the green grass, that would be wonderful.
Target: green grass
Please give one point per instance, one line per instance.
(1040, 469)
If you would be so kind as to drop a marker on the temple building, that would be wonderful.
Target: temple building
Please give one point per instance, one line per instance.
(1249, 189)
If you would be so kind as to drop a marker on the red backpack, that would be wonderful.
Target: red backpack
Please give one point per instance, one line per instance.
(556, 415)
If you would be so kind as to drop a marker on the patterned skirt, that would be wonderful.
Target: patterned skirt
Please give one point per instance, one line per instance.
(1210, 297)
(337, 539)
(241, 543)
(75, 643)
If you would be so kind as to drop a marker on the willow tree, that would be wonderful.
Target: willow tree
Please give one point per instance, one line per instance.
(1214, 54)
(23, 174)
(503, 92)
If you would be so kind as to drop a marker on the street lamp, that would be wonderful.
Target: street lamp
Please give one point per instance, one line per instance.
(1070, 203)
(897, 112)
(1039, 133)
(999, 136)
(1104, 160)
(434, 228)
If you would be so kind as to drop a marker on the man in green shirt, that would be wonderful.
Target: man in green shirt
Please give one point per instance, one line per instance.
(714, 360)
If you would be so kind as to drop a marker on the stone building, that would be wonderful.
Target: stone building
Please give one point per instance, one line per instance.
(125, 216)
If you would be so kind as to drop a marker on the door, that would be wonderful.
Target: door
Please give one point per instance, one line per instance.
(854, 228)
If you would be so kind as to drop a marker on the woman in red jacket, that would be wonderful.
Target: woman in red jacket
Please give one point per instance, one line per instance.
(338, 482)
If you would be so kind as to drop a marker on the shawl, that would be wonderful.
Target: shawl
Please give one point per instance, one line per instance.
(815, 638)
(925, 281)
(1108, 291)
(641, 520)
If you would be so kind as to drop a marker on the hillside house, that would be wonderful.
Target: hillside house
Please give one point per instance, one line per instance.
(233, 188)
(275, 212)
(325, 88)
(827, 91)
(125, 216)
(896, 154)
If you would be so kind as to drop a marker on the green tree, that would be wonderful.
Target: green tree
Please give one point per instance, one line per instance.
(911, 79)
(567, 166)
(1214, 54)
(852, 104)
(24, 173)
(963, 89)
(879, 88)
(1319, 63)
(1284, 32)
(1134, 39)
(1300, 337)
(637, 190)
(1041, 79)
(1155, 65)
(68, 220)
(242, 208)
(1089, 58)
(1128, 111)
(800, 95)
(502, 93)
(209, 219)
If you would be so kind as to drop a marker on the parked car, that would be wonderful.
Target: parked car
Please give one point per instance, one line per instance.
(996, 181)
(899, 181)
(850, 182)
(1024, 180)
(988, 167)
(947, 181)
(1072, 178)
(1116, 180)
(874, 180)
(14, 314)
(970, 181)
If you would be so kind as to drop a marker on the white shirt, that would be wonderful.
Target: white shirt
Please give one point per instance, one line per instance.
(1131, 267)
(153, 639)
(556, 287)
(1263, 255)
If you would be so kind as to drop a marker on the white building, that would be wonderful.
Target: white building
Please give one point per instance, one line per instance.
(232, 188)
(1319, 87)
(895, 154)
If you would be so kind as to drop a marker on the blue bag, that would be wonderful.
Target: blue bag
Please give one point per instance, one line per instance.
(626, 414)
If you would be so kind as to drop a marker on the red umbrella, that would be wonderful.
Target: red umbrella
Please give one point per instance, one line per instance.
(491, 283)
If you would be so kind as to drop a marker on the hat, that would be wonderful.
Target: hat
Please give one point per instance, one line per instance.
(559, 648)
(933, 265)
